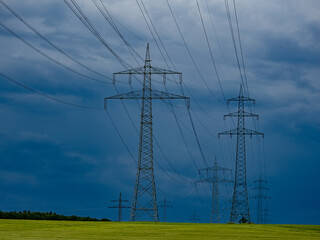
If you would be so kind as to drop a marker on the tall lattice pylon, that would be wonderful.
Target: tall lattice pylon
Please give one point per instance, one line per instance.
(144, 203)
(211, 175)
(120, 206)
(240, 204)
(261, 197)
(165, 204)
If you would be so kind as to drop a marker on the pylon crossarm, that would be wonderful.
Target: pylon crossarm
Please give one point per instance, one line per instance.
(241, 98)
(129, 95)
(139, 70)
(155, 94)
(156, 70)
(244, 114)
(241, 132)
(252, 132)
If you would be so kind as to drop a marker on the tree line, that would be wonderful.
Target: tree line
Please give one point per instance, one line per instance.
(45, 216)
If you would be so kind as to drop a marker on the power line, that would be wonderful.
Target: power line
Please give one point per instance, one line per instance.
(105, 13)
(49, 42)
(211, 54)
(198, 143)
(233, 37)
(85, 20)
(189, 52)
(52, 59)
(48, 96)
(172, 110)
(116, 29)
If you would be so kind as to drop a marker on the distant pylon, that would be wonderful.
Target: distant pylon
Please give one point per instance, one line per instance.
(261, 196)
(240, 205)
(205, 176)
(194, 218)
(165, 204)
(119, 206)
(144, 201)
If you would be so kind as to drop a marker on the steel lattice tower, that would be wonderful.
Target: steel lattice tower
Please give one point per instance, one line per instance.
(144, 201)
(205, 176)
(240, 203)
(261, 196)
(120, 206)
(165, 204)
(194, 218)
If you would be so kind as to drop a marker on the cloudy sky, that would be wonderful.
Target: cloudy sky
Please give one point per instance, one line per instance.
(70, 159)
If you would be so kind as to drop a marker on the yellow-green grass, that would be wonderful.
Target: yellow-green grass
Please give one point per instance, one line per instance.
(38, 229)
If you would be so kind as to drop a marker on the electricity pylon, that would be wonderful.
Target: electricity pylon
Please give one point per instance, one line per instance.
(261, 196)
(165, 204)
(144, 197)
(266, 215)
(240, 204)
(119, 206)
(194, 218)
(206, 176)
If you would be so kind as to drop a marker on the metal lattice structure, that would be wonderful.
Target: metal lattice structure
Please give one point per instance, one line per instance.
(211, 175)
(240, 204)
(165, 204)
(120, 206)
(144, 203)
(194, 218)
(261, 196)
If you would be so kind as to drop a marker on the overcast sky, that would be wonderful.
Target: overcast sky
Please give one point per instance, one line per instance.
(56, 157)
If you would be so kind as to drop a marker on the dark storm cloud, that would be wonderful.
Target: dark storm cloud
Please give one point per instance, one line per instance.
(55, 157)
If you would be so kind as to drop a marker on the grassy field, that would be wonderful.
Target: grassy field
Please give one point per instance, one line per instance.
(33, 229)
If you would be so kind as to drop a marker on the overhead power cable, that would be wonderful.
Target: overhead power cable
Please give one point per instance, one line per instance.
(156, 141)
(78, 106)
(49, 42)
(174, 67)
(189, 52)
(105, 13)
(120, 136)
(240, 45)
(84, 19)
(52, 59)
(233, 39)
(200, 149)
(130, 153)
(211, 54)
(90, 26)
(46, 95)
(127, 29)
(215, 32)
(172, 110)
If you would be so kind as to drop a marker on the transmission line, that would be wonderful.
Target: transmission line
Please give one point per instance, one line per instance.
(46, 95)
(49, 42)
(85, 20)
(105, 13)
(211, 54)
(189, 52)
(94, 31)
(50, 58)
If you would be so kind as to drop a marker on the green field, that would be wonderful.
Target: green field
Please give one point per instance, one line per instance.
(39, 229)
